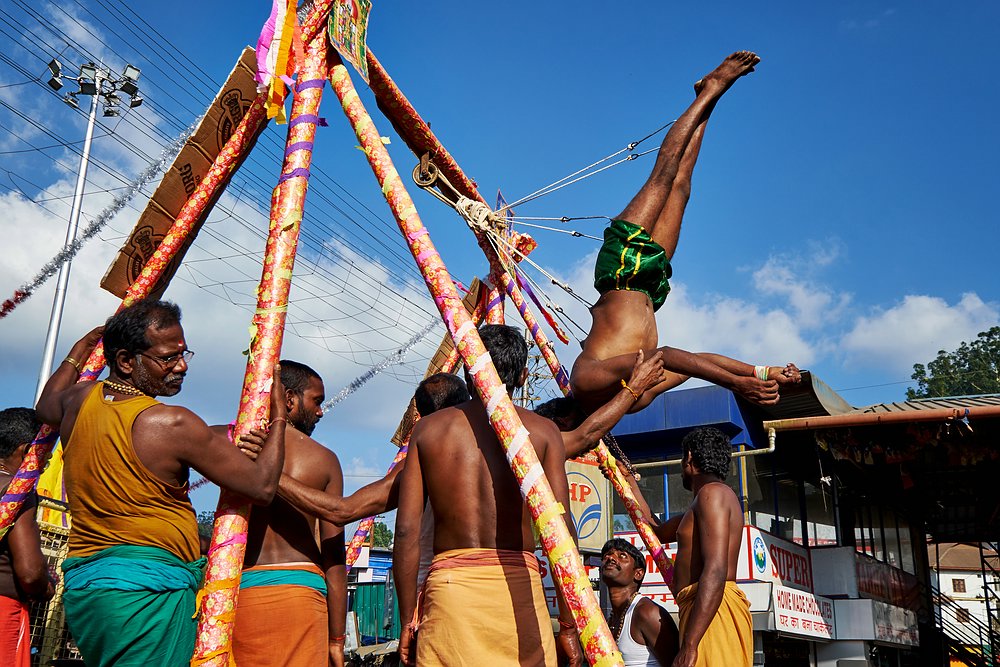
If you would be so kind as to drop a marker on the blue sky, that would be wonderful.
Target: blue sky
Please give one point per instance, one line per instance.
(842, 214)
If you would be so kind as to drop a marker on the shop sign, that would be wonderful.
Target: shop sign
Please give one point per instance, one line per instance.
(801, 613)
(894, 625)
(590, 504)
(764, 557)
(880, 581)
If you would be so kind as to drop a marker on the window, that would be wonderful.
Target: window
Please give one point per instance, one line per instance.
(820, 515)
(651, 486)
(962, 615)
(958, 585)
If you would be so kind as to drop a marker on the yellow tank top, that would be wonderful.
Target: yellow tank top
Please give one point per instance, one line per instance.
(113, 498)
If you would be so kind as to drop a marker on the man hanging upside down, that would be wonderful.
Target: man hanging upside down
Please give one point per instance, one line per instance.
(633, 267)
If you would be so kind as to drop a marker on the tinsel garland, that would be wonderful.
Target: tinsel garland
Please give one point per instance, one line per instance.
(70, 251)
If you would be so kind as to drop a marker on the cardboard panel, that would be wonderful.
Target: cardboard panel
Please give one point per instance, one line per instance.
(180, 181)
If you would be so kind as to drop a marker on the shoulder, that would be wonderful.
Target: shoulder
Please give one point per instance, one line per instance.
(647, 613)
(538, 425)
(715, 492)
(173, 418)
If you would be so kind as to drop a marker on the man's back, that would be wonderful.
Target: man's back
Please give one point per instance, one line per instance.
(475, 497)
(279, 533)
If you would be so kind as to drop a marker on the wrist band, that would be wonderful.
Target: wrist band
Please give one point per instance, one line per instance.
(565, 624)
(279, 419)
(339, 639)
(73, 362)
(635, 396)
(760, 372)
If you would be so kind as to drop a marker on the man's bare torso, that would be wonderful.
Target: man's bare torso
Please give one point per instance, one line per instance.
(475, 497)
(279, 533)
(690, 559)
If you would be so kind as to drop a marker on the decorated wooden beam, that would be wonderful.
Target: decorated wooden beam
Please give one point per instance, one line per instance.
(225, 557)
(418, 136)
(567, 567)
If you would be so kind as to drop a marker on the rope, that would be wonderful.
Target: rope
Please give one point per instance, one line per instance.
(561, 183)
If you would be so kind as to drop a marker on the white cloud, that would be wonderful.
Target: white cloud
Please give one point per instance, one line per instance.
(913, 330)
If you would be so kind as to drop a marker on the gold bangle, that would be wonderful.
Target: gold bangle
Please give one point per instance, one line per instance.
(73, 362)
(635, 396)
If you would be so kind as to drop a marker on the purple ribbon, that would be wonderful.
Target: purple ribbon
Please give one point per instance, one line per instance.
(312, 83)
(299, 146)
(294, 173)
(307, 118)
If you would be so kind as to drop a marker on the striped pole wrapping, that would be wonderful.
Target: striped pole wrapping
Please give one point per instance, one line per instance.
(229, 536)
(567, 567)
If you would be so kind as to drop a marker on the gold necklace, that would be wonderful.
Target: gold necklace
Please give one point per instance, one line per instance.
(617, 630)
(121, 388)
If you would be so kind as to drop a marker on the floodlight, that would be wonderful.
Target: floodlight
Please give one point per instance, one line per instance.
(128, 87)
(131, 72)
(70, 99)
(112, 100)
(55, 68)
(136, 101)
(87, 87)
(110, 111)
(55, 83)
(88, 72)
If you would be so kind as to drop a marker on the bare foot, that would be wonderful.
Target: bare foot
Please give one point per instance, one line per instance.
(733, 67)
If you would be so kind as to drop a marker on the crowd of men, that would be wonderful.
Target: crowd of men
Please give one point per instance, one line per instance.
(468, 582)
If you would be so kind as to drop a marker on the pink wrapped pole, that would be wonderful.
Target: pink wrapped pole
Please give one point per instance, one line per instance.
(230, 156)
(567, 567)
(365, 529)
(419, 137)
(225, 556)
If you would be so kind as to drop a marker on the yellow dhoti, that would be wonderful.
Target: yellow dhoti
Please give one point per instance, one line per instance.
(728, 642)
(484, 607)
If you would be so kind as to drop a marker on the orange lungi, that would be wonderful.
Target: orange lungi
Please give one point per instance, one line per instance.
(729, 638)
(281, 624)
(484, 607)
(15, 633)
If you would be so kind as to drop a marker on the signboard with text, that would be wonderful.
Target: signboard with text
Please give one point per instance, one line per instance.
(801, 613)
(590, 504)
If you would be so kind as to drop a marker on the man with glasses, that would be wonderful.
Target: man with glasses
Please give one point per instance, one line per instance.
(134, 568)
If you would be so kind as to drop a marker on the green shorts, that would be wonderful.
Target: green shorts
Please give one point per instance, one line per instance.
(631, 260)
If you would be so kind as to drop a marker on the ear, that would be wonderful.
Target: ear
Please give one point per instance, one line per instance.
(291, 399)
(638, 574)
(523, 377)
(125, 363)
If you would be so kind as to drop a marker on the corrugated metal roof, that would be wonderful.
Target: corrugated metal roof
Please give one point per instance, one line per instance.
(949, 403)
(810, 398)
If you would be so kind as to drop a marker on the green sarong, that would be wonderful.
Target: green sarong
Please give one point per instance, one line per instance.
(631, 260)
(132, 606)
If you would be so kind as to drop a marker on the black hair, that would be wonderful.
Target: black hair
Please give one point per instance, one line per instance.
(508, 350)
(295, 376)
(17, 426)
(711, 451)
(126, 329)
(620, 544)
(439, 391)
(560, 410)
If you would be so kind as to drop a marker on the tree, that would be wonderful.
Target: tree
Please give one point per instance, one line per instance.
(205, 522)
(381, 535)
(974, 368)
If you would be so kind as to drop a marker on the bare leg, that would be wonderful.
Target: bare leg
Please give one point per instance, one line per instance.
(648, 206)
(667, 228)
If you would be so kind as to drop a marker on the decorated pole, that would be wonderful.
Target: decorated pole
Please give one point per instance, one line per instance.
(567, 567)
(365, 528)
(418, 136)
(225, 556)
(230, 156)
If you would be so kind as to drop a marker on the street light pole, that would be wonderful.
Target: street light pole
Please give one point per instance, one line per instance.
(59, 299)
(99, 84)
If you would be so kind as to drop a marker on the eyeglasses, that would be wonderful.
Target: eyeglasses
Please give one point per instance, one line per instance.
(171, 361)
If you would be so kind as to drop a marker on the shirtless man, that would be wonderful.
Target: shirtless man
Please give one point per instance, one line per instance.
(715, 624)
(293, 593)
(580, 433)
(633, 267)
(484, 581)
(134, 565)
